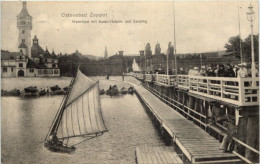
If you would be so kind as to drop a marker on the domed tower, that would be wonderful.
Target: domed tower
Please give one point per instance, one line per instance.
(24, 25)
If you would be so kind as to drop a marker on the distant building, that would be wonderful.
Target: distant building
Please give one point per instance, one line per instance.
(30, 61)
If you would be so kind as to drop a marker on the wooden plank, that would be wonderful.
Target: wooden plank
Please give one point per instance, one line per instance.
(146, 157)
(197, 156)
(160, 159)
(139, 157)
(151, 155)
(161, 154)
(165, 155)
(172, 160)
(173, 155)
(229, 161)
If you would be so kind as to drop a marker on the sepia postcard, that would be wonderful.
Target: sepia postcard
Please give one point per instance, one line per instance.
(130, 82)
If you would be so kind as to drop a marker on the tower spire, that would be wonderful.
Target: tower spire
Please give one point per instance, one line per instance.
(24, 25)
(24, 4)
(106, 55)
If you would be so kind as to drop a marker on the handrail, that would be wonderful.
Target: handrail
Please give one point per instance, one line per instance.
(247, 146)
(237, 91)
(240, 156)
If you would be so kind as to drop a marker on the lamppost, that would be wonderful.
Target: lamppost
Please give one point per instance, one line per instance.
(167, 66)
(251, 18)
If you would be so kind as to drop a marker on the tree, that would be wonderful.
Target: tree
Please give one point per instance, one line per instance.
(233, 45)
(157, 49)
(247, 47)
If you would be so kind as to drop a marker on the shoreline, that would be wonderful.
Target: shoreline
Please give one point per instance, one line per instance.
(9, 84)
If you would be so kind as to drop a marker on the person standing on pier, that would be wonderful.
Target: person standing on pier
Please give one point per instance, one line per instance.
(230, 133)
(242, 71)
(221, 71)
(229, 72)
(203, 71)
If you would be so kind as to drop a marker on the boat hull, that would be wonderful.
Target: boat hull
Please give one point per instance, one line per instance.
(59, 148)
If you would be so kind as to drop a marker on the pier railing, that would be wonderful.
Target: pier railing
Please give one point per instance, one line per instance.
(166, 80)
(237, 91)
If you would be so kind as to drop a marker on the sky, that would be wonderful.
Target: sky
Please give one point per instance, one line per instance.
(201, 26)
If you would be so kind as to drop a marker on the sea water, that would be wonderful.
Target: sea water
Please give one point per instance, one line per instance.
(25, 123)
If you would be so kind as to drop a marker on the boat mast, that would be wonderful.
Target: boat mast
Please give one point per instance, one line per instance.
(56, 121)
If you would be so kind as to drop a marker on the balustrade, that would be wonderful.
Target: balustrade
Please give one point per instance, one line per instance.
(237, 91)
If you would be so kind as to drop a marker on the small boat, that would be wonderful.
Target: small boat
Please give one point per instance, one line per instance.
(114, 91)
(55, 88)
(124, 90)
(42, 92)
(102, 91)
(131, 90)
(31, 89)
(14, 92)
(78, 116)
(4, 93)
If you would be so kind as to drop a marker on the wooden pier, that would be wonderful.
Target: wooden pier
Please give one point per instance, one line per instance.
(195, 143)
(163, 155)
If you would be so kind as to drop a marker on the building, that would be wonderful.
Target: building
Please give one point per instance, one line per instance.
(29, 61)
(24, 25)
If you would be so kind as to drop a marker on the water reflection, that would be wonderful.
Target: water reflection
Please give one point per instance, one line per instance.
(25, 123)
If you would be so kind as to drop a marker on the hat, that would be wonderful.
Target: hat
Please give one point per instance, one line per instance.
(203, 67)
(196, 68)
(209, 68)
(242, 65)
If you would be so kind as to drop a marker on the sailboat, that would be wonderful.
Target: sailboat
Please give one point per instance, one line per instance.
(79, 115)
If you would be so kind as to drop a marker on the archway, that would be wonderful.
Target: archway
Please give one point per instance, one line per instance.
(20, 73)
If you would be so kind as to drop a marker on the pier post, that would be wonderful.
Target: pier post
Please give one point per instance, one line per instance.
(167, 91)
(252, 136)
(178, 99)
(184, 102)
(241, 135)
(170, 96)
(191, 105)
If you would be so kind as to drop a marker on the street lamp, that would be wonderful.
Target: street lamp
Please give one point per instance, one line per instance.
(251, 18)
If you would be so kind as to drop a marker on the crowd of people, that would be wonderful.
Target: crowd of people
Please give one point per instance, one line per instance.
(220, 70)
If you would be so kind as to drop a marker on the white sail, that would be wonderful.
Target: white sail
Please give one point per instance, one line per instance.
(81, 114)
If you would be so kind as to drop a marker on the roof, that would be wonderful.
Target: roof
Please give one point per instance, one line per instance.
(32, 64)
(6, 55)
(24, 12)
(36, 50)
(22, 45)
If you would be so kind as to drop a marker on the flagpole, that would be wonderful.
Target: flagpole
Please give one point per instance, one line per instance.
(240, 44)
(175, 64)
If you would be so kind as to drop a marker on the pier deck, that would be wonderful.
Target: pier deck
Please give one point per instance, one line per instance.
(163, 155)
(197, 145)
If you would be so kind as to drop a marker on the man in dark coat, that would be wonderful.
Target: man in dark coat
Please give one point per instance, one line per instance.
(229, 72)
(221, 71)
